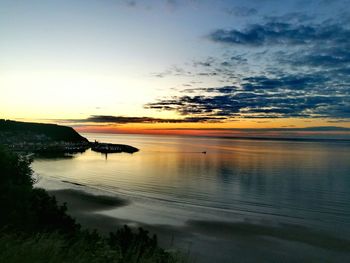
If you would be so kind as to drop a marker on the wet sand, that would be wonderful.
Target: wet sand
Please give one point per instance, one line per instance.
(214, 241)
(79, 201)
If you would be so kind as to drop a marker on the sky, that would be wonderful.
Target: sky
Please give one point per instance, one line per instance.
(178, 66)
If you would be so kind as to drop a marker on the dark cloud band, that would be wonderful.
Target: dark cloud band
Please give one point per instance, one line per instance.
(307, 76)
(278, 32)
(263, 97)
(124, 120)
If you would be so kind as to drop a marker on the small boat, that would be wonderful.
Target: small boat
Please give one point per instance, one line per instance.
(204, 152)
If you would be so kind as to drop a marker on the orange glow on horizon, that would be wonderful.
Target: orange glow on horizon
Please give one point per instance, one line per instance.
(214, 132)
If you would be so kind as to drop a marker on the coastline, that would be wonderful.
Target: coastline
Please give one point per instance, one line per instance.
(197, 236)
(86, 204)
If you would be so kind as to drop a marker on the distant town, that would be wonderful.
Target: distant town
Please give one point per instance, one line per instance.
(40, 138)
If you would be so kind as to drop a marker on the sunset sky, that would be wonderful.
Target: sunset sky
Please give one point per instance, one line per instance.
(179, 67)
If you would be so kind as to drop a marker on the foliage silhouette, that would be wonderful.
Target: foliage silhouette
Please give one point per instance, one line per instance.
(34, 228)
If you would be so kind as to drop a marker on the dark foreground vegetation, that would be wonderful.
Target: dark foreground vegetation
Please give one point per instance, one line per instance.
(34, 228)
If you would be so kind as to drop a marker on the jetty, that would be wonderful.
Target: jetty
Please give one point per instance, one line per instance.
(112, 148)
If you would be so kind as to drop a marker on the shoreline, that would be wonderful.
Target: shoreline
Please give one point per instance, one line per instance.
(197, 237)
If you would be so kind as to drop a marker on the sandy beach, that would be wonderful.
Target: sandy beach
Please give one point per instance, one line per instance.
(209, 241)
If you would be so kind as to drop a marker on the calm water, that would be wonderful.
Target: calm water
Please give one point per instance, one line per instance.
(170, 181)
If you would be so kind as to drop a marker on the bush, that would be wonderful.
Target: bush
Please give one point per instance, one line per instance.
(36, 229)
(23, 207)
(16, 186)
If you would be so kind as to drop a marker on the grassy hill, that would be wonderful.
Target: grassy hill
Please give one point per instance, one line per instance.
(27, 131)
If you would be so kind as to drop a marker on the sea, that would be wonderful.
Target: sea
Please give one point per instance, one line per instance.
(222, 199)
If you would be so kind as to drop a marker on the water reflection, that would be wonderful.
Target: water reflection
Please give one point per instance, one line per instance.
(298, 182)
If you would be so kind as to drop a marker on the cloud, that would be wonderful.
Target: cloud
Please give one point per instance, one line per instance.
(329, 57)
(281, 33)
(208, 62)
(238, 59)
(174, 70)
(293, 68)
(208, 67)
(241, 11)
(338, 121)
(108, 119)
(131, 3)
(263, 97)
(312, 128)
(287, 43)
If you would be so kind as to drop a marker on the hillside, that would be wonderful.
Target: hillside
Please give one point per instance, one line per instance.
(33, 132)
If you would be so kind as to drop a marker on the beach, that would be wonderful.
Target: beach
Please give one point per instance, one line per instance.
(205, 241)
